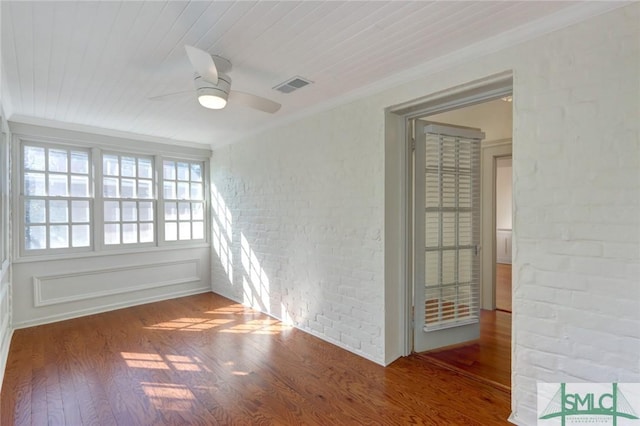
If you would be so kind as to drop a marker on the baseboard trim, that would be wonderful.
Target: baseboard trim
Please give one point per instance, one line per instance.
(106, 308)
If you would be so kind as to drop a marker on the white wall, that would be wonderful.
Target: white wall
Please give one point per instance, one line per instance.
(309, 199)
(504, 192)
(494, 118)
(48, 289)
(6, 329)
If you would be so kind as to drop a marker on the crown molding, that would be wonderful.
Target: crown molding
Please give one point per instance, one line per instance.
(101, 131)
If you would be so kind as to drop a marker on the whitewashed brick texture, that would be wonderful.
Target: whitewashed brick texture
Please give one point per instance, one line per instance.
(308, 199)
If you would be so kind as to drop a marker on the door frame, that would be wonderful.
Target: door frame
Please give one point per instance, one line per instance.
(490, 152)
(398, 204)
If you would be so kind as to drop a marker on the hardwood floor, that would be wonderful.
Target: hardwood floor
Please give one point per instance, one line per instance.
(206, 360)
(503, 287)
(487, 359)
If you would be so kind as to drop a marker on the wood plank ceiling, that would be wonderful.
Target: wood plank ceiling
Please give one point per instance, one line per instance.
(97, 63)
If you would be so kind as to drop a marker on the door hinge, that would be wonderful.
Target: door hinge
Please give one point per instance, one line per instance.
(413, 134)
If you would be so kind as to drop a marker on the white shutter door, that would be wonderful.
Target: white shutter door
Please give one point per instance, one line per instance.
(447, 228)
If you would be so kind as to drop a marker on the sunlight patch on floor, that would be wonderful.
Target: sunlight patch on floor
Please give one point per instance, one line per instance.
(190, 324)
(172, 397)
(158, 362)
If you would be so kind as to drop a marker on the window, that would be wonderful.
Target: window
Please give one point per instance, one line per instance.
(72, 195)
(129, 204)
(183, 191)
(57, 198)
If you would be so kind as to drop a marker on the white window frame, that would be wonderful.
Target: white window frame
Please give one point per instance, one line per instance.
(48, 198)
(101, 199)
(97, 144)
(164, 201)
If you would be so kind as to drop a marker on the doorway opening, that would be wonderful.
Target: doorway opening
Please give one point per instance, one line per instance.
(469, 222)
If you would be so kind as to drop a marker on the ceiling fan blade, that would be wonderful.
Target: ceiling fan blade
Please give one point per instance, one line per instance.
(202, 63)
(254, 101)
(169, 95)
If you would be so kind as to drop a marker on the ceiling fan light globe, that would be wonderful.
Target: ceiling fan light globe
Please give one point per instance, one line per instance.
(212, 101)
(210, 95)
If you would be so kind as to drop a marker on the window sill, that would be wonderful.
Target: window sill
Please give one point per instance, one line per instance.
(110, 252)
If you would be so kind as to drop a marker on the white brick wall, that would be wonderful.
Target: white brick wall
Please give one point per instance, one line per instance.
(309, 199)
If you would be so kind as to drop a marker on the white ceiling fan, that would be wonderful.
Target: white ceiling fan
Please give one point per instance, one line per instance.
(213, 85)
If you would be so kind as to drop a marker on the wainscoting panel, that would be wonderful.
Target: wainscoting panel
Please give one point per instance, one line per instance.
(57, 289)
(64, 288)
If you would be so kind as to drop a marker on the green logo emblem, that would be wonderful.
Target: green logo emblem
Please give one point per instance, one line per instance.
(565, 404)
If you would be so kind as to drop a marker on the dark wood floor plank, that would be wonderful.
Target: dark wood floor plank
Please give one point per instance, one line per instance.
(39, 384)
(207, 360)
(488, 358)
(17, 408)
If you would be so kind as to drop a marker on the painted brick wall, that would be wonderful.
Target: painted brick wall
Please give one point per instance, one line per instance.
(577, 198)
(309, 200)
(304, 230)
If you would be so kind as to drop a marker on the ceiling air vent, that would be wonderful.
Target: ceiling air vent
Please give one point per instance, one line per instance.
(292, 84)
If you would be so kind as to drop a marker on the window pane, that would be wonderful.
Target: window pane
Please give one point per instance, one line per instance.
(183, 190)
(170, 211)
(185, 230)
(198, 230)
(146, 232)
(34, 158)
(79, 211)
(111, 211)
(197, 211)
(169, 170)
(128, 166)
(145, 211)
(35, 211)
(145, 188)
(171, 231)
(196, 172)
(35, 237)
(128, 189)
(183, 171)
(129, 233)
(57, 160)
(34, 184)
(58, 185)
(59, 236)
(145, 168)
(110, 165)
(79, 162)
(170, 190)
(79, 186)
(129, 211)
(196, 191)
(184, 211)
(80, 236)
(110, 187)
(112, 233)
(58, 211)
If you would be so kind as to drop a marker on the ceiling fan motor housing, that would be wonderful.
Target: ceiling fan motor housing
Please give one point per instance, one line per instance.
(207, 88)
